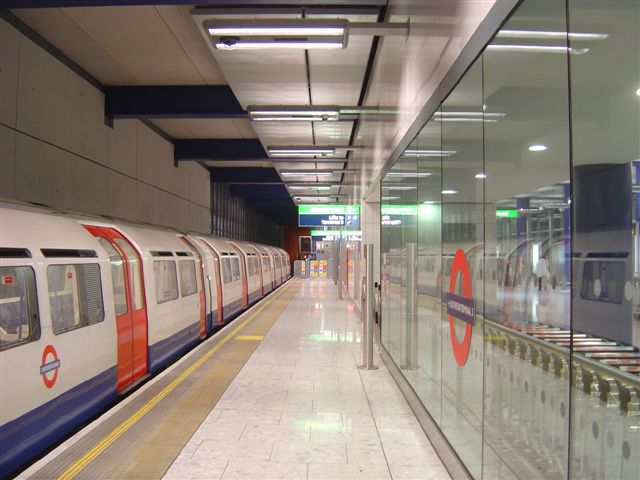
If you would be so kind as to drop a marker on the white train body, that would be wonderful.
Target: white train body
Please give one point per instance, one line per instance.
(89, 307)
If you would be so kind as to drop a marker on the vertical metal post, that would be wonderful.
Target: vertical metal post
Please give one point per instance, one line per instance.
(369, 317)
(341, 269)
(411, 309)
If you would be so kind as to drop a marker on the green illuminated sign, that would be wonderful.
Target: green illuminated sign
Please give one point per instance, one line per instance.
(399, 209)
(329, 209)
(335, 233)
(506, 213)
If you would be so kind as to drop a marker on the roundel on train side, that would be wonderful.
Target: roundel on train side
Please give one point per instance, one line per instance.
(49, 366)
(461, 306)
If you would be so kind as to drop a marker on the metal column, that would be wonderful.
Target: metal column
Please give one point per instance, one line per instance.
(369, 317)
(411, 308)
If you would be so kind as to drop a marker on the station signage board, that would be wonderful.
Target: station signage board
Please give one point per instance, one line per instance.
(331, 235)
(398, 215)
(328, 215)
(506, 213)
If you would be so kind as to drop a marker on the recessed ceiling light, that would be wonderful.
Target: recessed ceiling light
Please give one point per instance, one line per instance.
(481, 175)
(537, 148)
(449, 192)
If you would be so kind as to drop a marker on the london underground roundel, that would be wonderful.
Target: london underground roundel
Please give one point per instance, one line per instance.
(462, 306)
(49, 366)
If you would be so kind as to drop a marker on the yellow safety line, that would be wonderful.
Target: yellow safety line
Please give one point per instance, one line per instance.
(250, 337)
(88, 457)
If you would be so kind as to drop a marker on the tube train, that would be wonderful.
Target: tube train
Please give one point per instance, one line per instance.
(89, 307)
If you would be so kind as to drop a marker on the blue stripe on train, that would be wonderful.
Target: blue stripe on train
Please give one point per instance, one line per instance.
(164, 351)
(254, 296)
(231, 309)
(28, 435)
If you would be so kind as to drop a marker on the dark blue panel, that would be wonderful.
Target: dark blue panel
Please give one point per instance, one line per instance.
(269, 202)
(245, 175)
(28, 435)
(177, 101)
(219, 149)
(259, 191)
(281, 215)
(161, 353)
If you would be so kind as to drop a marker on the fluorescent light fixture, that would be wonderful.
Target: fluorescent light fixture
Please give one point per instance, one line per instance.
(306, 173)
(429, 153)
(292, 113)
(464, 119)
(399, 187)
(409, 174)
(537, 148)
(470, 114)
(449, 192)
(537, 49)
(638, 92)
(300, 151)
(290, 119)
(252, 34)
(310, 187)
(278, 43)
(547, 34)
(481, 175)
(429, 202)
(391, 198)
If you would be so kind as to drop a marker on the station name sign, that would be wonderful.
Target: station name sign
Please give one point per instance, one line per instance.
(328, 215)
(331, 235)
(398, 215)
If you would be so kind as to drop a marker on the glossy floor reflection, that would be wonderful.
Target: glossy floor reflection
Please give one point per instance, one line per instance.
(301, 409)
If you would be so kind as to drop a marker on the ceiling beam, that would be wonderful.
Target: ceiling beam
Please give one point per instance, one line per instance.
(212, 3)
(260, 191)
(172, 101)
(219, 149)
(245, 175)
(269, 202)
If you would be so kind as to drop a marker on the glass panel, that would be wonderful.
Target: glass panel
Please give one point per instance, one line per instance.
(235, 268)
(525, 274)
(19, 321)
(117, 276)
(135, 272)
(75, 296)
(188, 285)
(605, 99)
(429, 175)
(226, 270)
(462, 243)
(164, 272)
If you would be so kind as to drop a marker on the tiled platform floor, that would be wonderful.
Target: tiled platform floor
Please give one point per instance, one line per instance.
(301, 409)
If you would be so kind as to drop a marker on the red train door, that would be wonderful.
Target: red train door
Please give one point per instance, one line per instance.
(130, 306)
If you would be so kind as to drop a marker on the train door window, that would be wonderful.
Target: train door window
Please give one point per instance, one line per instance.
(226, 270)
(249, 267)
(603, 281)
(265, 263)
(75, 296)
(188, 283)
(117, 276)
(166, 279)
(135, 272)
(235, 268)
(19, 321)
(256, 265)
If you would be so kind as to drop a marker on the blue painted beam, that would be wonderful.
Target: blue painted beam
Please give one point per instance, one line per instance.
(269, 202)
(172, 101)
(210, 3)
(281, 215)
(245, 175)
(218, 149)
(260, 191)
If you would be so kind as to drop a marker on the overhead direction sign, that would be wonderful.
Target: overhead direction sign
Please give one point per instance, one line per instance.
(329, 215)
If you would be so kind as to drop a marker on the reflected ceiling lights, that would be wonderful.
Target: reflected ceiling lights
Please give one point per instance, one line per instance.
(467, 117)
(537, 49)
(252, 34)
(409, 174)
(308, 187)
(537, 148)
(546, 34)
(638, 92)
(429, 153)
(481, 175)
(449, 192)
(400, 187)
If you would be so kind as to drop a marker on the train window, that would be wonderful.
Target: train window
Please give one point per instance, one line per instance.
(265, 263)
(603, 281)
(135, 272)
(117, 276)
(256, 265)
(249, 267)
(75, 296)
(188, 283)
(19, 321)
(235, 268)
(166, 279)
(226, 270)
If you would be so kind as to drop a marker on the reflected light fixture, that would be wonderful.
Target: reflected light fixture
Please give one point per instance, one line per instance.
(537, 49)
(481, 175)
(253, 34)
(391, 198)
(638, 92)
(306, 173)
(449, 192)
(409, 174)
(548, 34)
(400, 187)
(429, 153)
(537, 148)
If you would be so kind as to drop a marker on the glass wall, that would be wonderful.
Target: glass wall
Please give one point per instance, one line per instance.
(511, 292)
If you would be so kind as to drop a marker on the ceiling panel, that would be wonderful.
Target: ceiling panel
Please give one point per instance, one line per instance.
(206, 128)
(332, 133)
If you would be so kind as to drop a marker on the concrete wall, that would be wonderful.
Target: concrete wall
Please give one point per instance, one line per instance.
(56, 149)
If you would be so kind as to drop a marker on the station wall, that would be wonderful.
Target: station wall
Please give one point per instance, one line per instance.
(56, 148)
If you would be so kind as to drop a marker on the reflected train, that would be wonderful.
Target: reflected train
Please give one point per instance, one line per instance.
(603, 287)
(133, 296)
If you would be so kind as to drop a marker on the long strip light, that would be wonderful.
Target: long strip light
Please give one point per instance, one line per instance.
(300, 151)
(278, 44)
(409, 174)
(548, 34)
(429, 153)
(310, 187)
(306, 173)
(537, 49)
